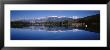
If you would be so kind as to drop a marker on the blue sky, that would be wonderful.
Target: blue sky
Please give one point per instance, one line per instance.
(15, 14)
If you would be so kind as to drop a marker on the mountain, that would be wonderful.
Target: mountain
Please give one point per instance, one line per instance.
(90, 19)
(47, 19)
(57, 19)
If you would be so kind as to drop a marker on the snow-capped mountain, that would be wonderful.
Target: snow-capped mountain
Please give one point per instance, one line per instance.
(50, 19)
(58, 19)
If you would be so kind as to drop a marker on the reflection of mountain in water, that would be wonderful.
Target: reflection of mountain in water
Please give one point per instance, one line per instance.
(58, 28)
(51, 28)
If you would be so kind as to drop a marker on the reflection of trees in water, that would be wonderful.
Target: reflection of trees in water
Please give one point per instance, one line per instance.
(60, 28)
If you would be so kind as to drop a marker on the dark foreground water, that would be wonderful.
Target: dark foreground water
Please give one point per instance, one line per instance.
(53, 33)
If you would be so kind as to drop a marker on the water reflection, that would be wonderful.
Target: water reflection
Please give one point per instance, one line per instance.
(52, 28)
(59, 28)
(54, 33)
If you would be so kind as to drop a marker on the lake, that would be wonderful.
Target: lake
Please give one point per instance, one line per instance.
(53, 33)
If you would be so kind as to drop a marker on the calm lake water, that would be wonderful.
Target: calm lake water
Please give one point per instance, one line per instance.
(53, 33)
